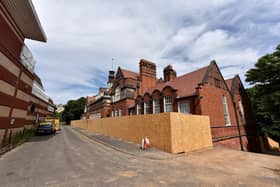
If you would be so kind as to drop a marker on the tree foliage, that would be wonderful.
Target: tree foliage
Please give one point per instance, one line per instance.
(265, 93)
(73, 110)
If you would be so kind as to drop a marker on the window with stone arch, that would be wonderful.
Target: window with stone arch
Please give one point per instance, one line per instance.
(147, 104)
(138, 102)
(156, 102)
(168, 103)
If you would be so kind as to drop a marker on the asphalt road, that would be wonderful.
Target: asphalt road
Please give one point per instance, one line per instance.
(70, 159)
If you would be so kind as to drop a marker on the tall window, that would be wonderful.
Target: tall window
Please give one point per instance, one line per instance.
(139, 109)
(147, 108)
(116, 113)
(242, 112)
(184, 106)
(120, 112)
(168, 104)
(226, 113)
(156, 106)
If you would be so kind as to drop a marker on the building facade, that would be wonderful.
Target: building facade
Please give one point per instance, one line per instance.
(22, 97)
(201, 92)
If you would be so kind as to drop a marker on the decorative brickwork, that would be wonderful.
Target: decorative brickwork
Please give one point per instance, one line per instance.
(203, 92)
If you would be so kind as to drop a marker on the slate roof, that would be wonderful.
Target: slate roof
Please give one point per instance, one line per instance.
(184, 84)
(129, 74)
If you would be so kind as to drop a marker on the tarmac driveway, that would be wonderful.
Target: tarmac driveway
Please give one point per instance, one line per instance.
(71, 159)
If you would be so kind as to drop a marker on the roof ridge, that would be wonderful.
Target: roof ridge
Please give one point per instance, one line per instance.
(193, 71)
(128, 70)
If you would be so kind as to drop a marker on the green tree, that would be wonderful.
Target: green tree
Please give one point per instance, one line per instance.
(73, 110)
(265, 93)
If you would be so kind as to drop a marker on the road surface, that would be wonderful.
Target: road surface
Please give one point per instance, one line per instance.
(71, 159)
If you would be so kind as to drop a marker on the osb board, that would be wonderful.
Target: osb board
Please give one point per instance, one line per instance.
(133, 128)
(190, 132)
(171, 132)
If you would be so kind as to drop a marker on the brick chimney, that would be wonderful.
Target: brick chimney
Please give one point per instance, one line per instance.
(169, 73)
(111, 78)
(147, 74)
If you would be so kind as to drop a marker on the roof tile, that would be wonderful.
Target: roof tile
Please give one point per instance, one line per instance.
(185, 84)
(129, 74)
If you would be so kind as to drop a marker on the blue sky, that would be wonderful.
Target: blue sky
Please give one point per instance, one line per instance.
(84, 36)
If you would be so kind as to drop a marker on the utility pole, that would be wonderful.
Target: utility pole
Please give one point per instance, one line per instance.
(237, 122)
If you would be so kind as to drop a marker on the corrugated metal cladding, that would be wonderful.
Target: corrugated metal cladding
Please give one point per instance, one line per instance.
(26, 18)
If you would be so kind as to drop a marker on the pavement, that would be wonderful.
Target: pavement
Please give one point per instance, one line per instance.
(127, 147)
(71, 158)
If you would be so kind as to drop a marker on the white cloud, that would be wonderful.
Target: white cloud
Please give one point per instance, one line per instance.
(83, 37)
(211, 42)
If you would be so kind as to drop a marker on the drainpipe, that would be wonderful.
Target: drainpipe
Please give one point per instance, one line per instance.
(237, 121)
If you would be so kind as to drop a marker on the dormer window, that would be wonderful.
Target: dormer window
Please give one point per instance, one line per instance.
(156, 106)
(184, 106)
(138, 109)
(168, 103)
(147, 108)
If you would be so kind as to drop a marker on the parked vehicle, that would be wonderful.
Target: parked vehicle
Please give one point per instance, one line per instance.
(45, 128)
(55, 121)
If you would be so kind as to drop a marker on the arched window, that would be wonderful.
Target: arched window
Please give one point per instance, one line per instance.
(226, 112)
(168, 103)
(139, 109)
(156, 106)
(147, 108)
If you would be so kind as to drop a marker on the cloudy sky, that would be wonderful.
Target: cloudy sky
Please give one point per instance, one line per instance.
(84, 36)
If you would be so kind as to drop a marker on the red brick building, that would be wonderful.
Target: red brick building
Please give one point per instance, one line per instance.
(22, 96)
(201, 92)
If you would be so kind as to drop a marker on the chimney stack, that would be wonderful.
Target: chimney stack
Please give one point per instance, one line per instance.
(111, 78)
(169, 73)
(147, 74)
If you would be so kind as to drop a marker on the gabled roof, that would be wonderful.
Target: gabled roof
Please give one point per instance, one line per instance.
(129, 74)
(185, 84)
(229, 83)
(234, 84)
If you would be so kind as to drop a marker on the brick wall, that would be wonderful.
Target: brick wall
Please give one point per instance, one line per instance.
(211, 104)
(15, 81)
(123, 105)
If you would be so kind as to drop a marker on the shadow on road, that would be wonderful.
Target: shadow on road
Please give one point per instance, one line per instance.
(43, 137)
